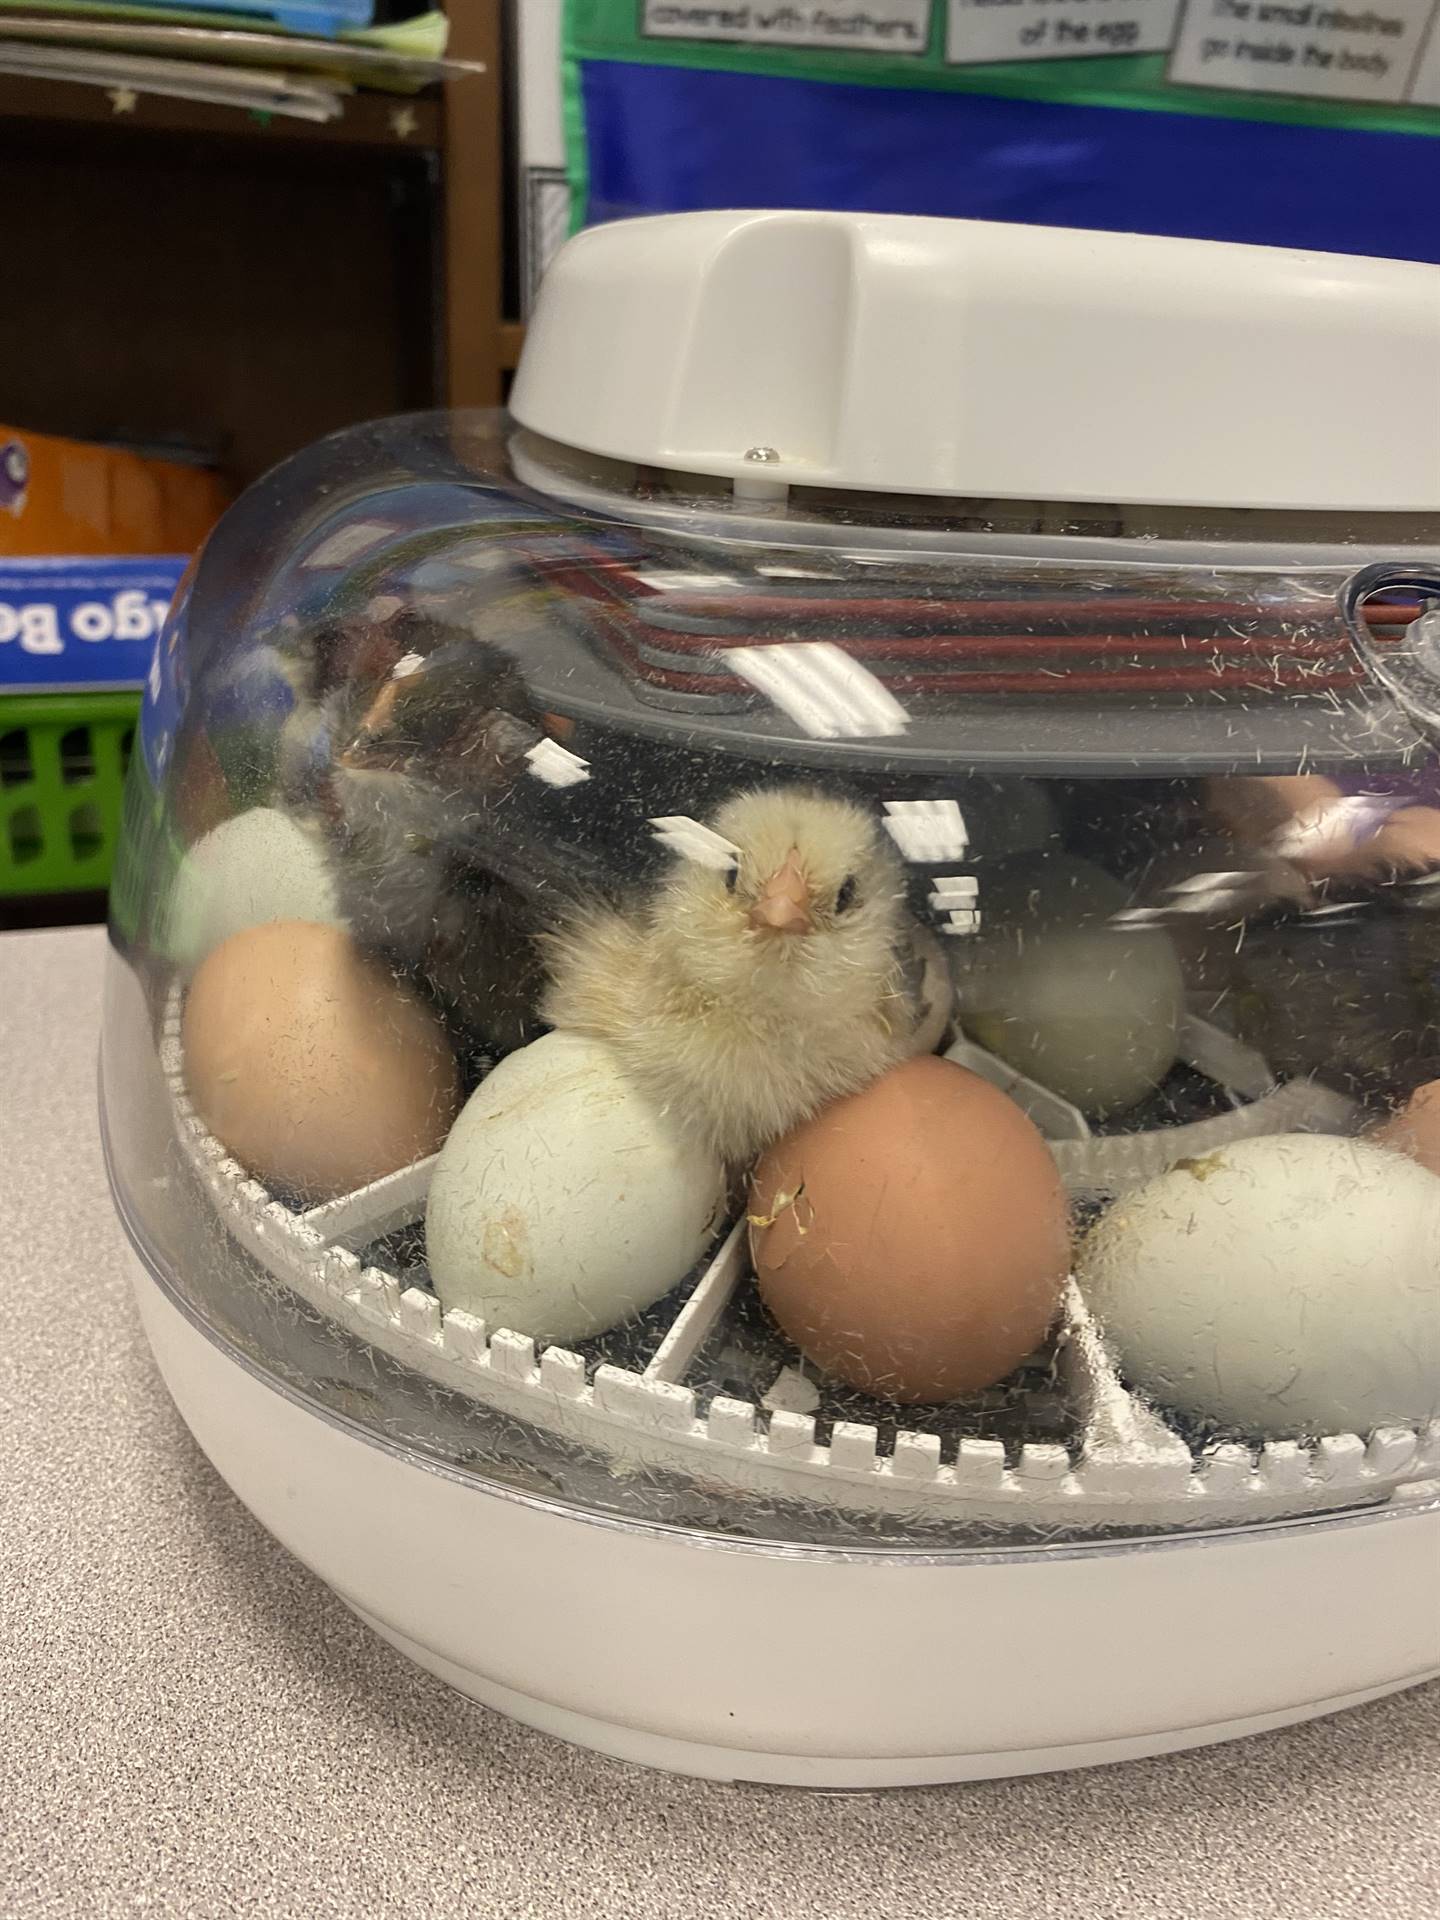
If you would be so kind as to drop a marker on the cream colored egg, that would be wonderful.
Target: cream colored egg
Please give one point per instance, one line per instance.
(260, 866)
(563, 1202)
(1282, 1286)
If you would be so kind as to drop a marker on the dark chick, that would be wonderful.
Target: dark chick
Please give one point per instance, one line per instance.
(438, 866)
(335, 668)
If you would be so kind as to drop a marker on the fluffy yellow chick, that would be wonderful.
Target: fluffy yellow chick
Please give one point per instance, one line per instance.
(742, 998)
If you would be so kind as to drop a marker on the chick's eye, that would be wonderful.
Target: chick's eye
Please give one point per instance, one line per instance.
(732, 876)
(846, 897)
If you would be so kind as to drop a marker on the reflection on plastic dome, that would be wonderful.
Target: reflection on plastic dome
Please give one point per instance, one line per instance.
(826, 1039)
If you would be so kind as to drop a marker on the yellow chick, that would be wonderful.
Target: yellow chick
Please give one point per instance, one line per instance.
(746, 995)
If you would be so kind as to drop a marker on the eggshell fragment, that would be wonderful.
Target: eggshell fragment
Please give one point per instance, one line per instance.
(913, 1239)
(1282, 1286)
(312, 1064)
(564, 1202)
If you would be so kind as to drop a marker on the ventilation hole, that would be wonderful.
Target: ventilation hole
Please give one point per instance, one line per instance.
(1393, 611)
(86, 834)
(16, 766)
(127, 747)
(77, 756)
(26, 839)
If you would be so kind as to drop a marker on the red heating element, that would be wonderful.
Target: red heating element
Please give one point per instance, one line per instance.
(1018, 639)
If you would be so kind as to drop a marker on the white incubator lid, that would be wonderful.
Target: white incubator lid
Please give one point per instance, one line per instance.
(958, 357)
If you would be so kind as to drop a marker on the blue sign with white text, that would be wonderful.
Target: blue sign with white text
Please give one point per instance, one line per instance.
(68, 625)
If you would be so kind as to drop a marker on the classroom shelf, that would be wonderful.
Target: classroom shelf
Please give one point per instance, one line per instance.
(243, 283)
(380, 121)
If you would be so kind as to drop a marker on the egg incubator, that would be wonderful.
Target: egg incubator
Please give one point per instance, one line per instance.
(772, 1047)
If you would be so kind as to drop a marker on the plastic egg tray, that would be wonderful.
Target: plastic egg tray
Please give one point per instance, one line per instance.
(1121, 1465)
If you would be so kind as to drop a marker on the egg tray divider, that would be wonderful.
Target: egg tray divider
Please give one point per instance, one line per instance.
(1129, 1470)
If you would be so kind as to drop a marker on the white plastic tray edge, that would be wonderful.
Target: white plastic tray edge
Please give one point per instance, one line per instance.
(1131, 1469)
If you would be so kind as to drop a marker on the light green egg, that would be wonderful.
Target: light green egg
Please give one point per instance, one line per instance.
(1089, 1008)
(260, 866)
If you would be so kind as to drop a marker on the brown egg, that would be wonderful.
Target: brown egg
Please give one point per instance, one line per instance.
(1415, 1129)
(1253, 806)
(312, 1064)
(1409, 842)
(914, 1238)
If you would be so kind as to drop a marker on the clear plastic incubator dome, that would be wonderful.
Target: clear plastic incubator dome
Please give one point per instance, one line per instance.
(826, 938)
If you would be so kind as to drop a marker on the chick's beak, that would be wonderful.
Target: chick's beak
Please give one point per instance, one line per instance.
(784, 902)
(369, 750)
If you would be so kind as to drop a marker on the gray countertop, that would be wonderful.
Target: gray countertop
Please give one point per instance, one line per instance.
(191, 1725)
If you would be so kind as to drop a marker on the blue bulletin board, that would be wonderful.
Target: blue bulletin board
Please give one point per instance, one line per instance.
(1303, 123)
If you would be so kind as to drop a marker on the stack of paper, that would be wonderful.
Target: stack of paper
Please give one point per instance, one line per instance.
(260, 67)
(253, 88)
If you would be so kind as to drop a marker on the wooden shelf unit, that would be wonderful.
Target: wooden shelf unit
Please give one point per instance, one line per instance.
(243, 283)
(379, 120)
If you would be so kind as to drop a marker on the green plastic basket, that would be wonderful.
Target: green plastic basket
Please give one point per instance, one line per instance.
(62, 774)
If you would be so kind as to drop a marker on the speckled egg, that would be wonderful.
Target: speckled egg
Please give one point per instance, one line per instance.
(564, 1202)
(1281, 1286)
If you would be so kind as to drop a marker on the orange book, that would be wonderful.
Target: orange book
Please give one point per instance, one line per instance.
(68, 497)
